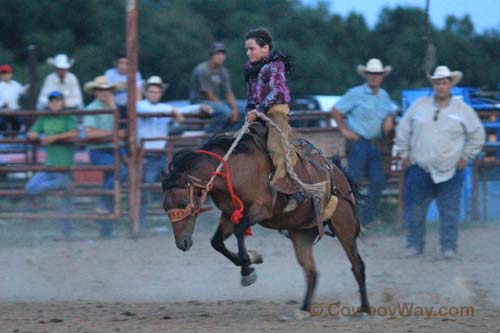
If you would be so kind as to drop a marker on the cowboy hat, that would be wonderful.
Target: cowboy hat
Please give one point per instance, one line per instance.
(61, 61)
(155, 80)
(374, 65)
(442, 72)
(101, 83)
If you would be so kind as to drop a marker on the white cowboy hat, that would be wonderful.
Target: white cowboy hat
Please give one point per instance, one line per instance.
(374, 65)
(61, 61)
(442, 72)
(100, 82)
(155, 80)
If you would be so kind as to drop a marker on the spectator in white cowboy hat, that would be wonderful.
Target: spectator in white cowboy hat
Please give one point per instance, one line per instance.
(363, 115)
(436, 138)
(61, 80)
(151, 127)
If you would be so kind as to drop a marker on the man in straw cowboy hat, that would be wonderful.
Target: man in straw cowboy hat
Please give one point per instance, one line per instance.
(363, 114)
(436, 138)
(61, 80)
(98, 126)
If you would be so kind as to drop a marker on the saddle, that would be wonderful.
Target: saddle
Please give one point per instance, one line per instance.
(311, 167)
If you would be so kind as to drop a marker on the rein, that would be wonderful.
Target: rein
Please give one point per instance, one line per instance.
(235, 200)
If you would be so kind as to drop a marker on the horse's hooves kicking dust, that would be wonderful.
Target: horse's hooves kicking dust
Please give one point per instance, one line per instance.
(298, 314)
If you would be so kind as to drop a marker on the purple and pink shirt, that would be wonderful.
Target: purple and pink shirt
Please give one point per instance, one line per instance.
(268, 88)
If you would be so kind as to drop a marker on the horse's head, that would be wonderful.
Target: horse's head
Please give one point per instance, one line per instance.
(183, 199)
(175, 200)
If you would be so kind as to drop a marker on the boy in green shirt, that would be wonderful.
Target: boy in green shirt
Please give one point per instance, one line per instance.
(55, 128)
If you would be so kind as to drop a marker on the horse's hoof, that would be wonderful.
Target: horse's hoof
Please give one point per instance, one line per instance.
(298, 314)
(248, 279)
(255, 257)
(360, 315)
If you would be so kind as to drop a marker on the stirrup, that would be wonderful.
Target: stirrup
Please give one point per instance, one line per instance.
(294, 201)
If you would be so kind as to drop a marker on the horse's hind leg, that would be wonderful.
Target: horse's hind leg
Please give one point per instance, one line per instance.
(346, 229)
(302, 243)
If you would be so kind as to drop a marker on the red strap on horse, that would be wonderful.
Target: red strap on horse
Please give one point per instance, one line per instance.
(235, 200)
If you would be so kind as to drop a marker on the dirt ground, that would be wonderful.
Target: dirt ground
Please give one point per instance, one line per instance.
(147, 285)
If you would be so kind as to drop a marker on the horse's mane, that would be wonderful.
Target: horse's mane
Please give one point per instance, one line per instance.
(186, 160)
(224, 142)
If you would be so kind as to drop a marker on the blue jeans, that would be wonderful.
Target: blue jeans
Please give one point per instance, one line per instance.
(106, 157)
(43, 182)
(151, 171)
(220, 119)
(365, 160)
(419, 190)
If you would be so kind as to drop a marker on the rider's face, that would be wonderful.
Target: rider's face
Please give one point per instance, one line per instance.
(255, 52)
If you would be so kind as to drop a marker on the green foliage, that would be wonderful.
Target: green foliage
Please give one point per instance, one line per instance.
(174, 35)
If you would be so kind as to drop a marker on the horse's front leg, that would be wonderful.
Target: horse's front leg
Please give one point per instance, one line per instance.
(248, 274)
(225, 229)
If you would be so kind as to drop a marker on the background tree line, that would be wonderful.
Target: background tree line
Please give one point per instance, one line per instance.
(174, 36)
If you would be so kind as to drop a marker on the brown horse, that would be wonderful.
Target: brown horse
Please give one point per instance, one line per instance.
(185, 190)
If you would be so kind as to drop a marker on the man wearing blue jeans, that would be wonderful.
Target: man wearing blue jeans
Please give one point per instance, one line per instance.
(98, 126)
(362, 115)
(210, 84)
(153, 127)
(436, 138)
(55, 128)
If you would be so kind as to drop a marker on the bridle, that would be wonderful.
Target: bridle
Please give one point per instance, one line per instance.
(179, 214)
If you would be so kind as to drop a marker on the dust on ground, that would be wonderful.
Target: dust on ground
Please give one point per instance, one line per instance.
(148, 285)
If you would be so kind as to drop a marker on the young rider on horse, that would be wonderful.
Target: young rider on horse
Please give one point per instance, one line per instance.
(267, 92)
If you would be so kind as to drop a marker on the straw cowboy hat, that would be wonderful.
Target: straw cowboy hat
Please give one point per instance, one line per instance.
(374, 65)
(101, 83)
(155, 80)
(442, 72)
(61, 61)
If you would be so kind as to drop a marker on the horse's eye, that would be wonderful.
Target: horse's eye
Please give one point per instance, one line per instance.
(184, 204)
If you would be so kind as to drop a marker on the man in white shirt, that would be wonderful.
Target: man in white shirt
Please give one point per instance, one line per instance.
(63, 81)
(10, 91)
(150, 127)
(436, 138)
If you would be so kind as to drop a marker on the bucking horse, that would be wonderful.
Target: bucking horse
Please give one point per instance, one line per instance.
(241, 191)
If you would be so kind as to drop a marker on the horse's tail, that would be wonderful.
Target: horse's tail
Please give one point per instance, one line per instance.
(352, 183)
(361, 199)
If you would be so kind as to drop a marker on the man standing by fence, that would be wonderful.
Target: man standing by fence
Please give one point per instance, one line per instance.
(436, 138)
(98, 126)
(363, 114)
(55, 128)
